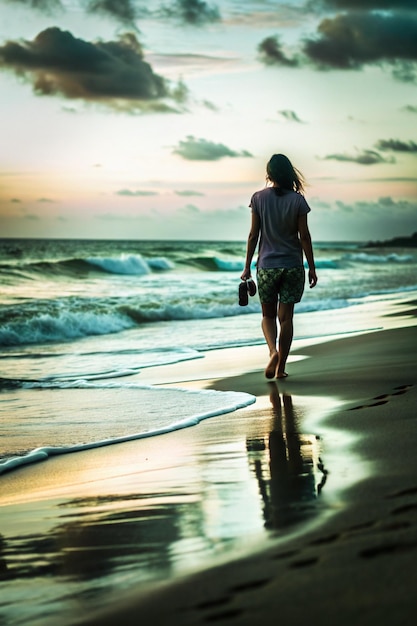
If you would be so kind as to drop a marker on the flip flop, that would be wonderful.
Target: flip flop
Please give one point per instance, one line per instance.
(243, 294)
(251, 287)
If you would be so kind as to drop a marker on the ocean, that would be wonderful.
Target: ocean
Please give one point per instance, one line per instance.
(90, 314)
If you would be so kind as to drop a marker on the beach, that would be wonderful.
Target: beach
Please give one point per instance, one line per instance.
(217, 517)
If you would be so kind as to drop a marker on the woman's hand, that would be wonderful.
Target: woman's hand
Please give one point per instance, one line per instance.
(246, 274)
(312, 278)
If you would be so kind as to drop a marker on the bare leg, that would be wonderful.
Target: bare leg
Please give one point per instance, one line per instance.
(270, 331)
(285, 317)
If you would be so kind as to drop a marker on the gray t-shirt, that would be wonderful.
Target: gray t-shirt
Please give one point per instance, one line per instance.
(279, 244)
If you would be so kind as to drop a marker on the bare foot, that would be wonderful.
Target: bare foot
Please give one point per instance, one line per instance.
(281, 375)
(272, 366)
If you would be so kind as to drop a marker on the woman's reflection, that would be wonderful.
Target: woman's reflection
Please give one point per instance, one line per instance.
(291, 477)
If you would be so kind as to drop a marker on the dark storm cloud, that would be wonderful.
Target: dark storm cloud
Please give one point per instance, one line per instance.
(196, 12)
(349, 41)
(194, 149)
(396, 145)
(271, 53)
(367, 157)
(113, 72)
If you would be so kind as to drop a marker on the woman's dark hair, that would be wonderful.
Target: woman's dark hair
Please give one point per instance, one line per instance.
(283, 174)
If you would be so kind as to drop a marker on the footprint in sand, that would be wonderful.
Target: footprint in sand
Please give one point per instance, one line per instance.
(384, 398)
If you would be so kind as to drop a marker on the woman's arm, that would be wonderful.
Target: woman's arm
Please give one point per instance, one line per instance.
(305, 240)
(251, 245)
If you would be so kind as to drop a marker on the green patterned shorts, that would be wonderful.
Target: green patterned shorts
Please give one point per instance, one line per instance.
(287, 283)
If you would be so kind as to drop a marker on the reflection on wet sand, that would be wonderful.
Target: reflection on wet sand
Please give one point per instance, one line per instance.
(164, 522)
(289, 470)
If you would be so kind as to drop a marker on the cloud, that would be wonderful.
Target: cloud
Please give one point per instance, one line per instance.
(47, 200)
(366, 157)
(410, 108)
(345, 208)
(367, 5)
(189, 193)
(351, 40)
(195, 12)
(271, 53)
(115, 217)
(392, 179)
(290, 116)
(113, 73)
(134, 194)
(367, 220)
(384, 205)
(189, 209)
(122, 10)
(396, 145)
(193, 149)
(47, 6)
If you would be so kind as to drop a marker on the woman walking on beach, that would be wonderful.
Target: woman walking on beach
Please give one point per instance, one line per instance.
(279, 222)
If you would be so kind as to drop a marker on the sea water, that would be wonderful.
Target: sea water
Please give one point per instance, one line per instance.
(78, 315)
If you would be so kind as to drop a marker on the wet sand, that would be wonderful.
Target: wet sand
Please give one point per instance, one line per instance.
(341, 550)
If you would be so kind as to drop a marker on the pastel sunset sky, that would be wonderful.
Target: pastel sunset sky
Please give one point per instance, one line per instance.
(154, 119)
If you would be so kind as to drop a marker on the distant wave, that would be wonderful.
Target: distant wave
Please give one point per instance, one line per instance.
(214, 263)
(365, 257)
(229, 265)
(125, 264)
(128, 264)
(138, 265)
(160, 264)
(133, 264)
(326, 264)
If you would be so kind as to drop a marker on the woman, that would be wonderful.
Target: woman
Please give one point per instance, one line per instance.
(279, 222)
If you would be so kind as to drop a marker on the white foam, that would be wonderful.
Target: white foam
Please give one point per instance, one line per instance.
(193, 407)
(66, 325)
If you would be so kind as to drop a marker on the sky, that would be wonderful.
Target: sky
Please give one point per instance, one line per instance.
(134, 119)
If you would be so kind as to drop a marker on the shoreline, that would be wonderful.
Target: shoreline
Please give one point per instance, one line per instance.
(340, 569)
(362, 388)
